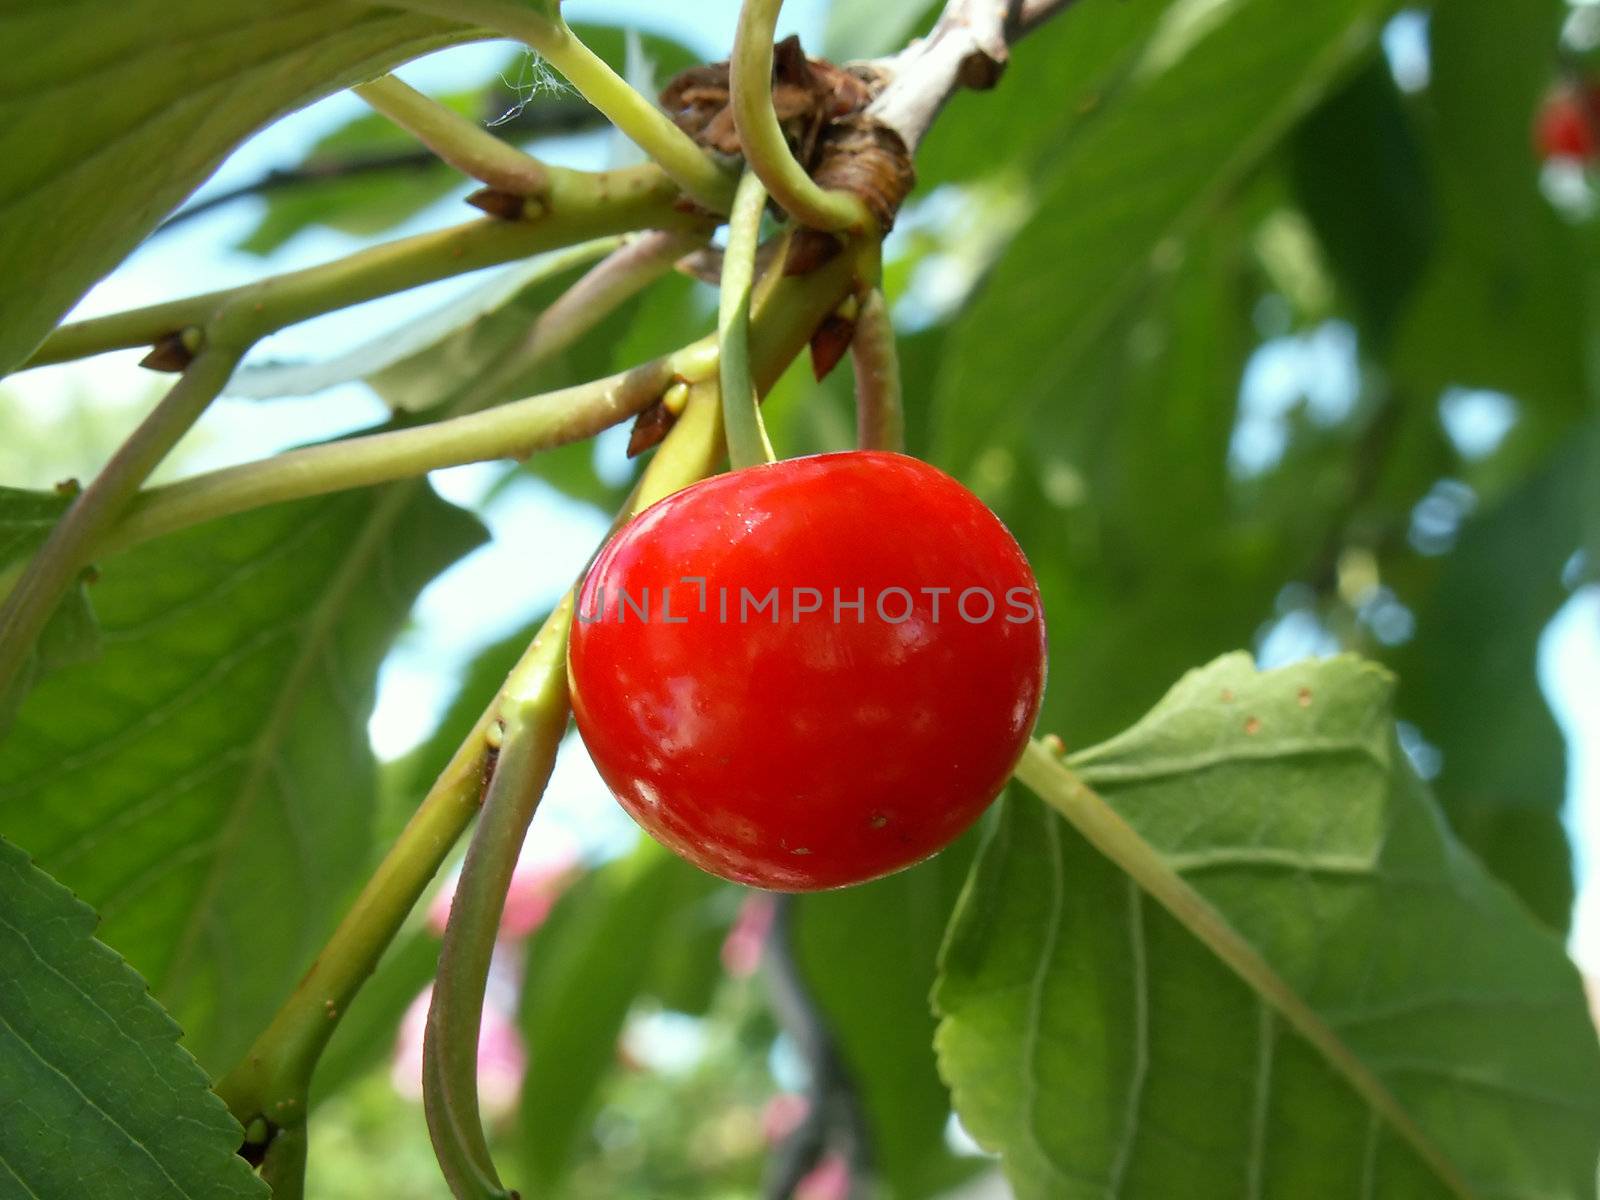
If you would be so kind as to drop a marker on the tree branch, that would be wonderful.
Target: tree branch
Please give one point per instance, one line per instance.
(834, 1114)
(968, 47)
(28, 606)
(465, 145)
(576, 206)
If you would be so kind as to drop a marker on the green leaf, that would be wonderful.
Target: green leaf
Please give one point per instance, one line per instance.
(71, 636)
(1499, 307)
(96, 1096)
(1358, 172)
(119, 108)
(1502, 781)
(1214, 87)
(857, 31)
(207, 783)
(587, 964)
(867, 955)
(1102, 1048)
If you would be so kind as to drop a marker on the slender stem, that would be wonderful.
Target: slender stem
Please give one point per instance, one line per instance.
(464, 144)
(640, 120)
(514, 430)
(67, 550)
(766, 151)
(880, 410)
(531, 719)
(577, 206)
(284, 1168)
(1104, 828)
(748, 444)
(517, 429)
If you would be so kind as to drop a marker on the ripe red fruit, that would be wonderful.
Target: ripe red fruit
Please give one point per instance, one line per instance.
(805, 743)
(1566, 123)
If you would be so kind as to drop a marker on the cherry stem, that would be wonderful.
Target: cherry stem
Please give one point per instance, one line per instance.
(766, 150)
(748, 444)
(531, 718)
(880, 410)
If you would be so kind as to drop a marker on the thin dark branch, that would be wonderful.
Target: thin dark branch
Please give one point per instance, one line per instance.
(310, 172)
(510, 120)
(834, 1116)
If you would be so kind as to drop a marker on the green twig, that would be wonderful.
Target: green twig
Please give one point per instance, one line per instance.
(575, 207)
(531, 717)
(465, 145)
(1043, 771)
(68, 549)
(880, 410)
(748, 444)
(541, 27)
(766, 151)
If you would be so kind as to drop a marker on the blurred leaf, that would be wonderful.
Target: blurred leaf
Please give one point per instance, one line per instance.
(1500, 307)
(1123, 496)
(121, 107)
(1358, 173)
(1471, 685)
(71, 636)
(207, 782)
(1213, 88)
(1081, 59)
(857, 31)
(688, 970)
(867, 955)
(586, 966)
(96, 1097)
(1103, 1049)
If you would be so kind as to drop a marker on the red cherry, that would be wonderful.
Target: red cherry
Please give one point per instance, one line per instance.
(1566, 124)
(802, 743)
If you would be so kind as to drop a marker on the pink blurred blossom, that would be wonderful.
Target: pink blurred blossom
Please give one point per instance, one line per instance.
(781, 1114)
(535, 887)
(828, 1180)
(741, 951)
(502, 1058)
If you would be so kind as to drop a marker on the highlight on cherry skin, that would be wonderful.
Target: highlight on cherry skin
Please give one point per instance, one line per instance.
(810, 673)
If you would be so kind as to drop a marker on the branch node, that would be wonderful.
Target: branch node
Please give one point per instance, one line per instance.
(172, 353)
(505, 206)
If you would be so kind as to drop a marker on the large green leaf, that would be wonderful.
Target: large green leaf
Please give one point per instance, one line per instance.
(111, 111)
(1104, 1050)
(1213, 87)
(1502, 779)
(207, 782)
(867, 955)
(1499, 307)
(1359, 174)
(96, 1096)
